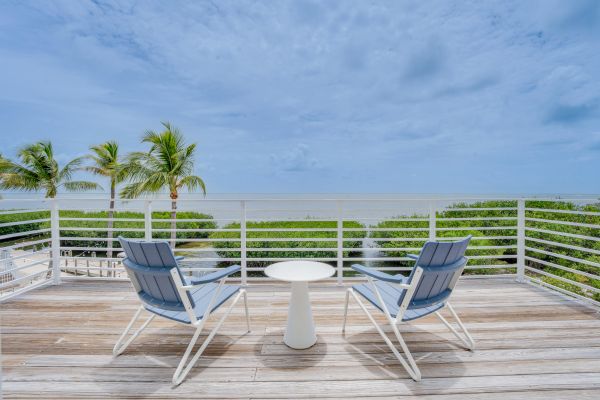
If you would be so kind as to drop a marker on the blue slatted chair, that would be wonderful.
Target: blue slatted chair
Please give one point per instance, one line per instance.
(426, 290)
(165, 292)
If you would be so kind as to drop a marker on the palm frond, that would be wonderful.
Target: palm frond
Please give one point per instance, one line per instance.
(92, 169)
(14, 176)
(192, 183)
(152, 184)
(9, 181)
(168, 164)
(38, 170)
(80, 186)
(131, 191)
(106, 162)
(39, 158)
(67, 171)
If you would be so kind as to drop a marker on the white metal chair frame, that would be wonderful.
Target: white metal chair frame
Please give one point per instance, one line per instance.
(182, 370)
(409, 363)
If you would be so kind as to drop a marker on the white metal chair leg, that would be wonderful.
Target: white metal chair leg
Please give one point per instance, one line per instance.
(178, 376)
(346, 310)
(181, 372)
(120, 346)
(466, 338)
(407, 352)
(246, 308)
(410, 366)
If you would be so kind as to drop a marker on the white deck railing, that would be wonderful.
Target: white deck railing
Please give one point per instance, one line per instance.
(553, 242)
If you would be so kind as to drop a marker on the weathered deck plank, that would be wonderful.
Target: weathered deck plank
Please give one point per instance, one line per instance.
(531, 344)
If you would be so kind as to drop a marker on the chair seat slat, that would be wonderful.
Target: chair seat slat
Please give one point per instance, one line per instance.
(390, 296)
(201, 299)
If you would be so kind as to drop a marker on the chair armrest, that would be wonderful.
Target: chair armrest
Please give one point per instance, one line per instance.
(373, 273)
(413, 256)
(216, 275)
(179, 258)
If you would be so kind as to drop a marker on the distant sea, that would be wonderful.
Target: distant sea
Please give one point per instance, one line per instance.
(273, 206)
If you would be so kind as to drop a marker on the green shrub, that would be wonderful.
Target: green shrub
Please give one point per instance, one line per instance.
(444, 230)
(28, 227)
(72, 235)
(582, 243)
(300, 249)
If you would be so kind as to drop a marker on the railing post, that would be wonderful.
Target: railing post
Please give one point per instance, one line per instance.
(340, 242)
(148, 220)
(521, 240)
(55, 242)
(243, 251)
(432, 219)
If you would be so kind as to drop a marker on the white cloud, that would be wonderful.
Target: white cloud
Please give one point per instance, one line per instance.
(296, 159)
(368, 87)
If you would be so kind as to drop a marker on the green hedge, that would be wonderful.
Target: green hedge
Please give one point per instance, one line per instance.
(28, 227)
(572, 241)
(404, 222)
(254, 239)
(65, 224)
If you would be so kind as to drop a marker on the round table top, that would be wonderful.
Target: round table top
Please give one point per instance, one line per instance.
(299, 271)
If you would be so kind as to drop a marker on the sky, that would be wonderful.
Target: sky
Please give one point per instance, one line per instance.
(479, 97)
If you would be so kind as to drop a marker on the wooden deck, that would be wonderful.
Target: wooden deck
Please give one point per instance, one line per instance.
(531, 344)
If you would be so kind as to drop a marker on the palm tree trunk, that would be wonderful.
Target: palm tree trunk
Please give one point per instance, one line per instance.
(173, 221)
(109, 234)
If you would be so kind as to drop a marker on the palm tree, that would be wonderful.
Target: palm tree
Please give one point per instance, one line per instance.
(106, 162)
(39, 170)
(168, 164)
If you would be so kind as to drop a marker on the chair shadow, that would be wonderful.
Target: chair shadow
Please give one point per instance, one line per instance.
(163, 347)
(437, 357)
(166, 355)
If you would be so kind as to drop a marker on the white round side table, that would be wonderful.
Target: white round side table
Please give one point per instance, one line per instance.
(300, 330)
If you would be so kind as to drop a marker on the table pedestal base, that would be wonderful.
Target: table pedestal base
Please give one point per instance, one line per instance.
(300, 330)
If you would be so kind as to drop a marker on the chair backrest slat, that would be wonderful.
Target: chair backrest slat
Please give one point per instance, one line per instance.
(149, 266)
(441, 263)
